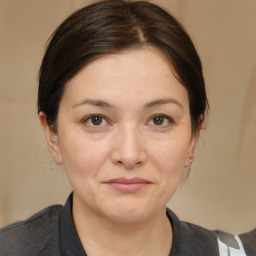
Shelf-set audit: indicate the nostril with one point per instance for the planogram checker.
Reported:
(119, 162)
(129, 165)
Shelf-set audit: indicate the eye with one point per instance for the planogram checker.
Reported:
(161, 120)
(95, 120)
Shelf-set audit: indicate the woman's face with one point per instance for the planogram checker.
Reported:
(124, 135)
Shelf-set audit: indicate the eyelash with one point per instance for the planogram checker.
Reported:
(88, 118)
(169, 119)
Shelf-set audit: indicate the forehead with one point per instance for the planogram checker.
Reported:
(144, 72)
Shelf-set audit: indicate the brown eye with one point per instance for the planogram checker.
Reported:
(96, 120)
(161, 120)
(158, 120)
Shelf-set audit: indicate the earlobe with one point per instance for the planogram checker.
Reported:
(193, 143)
(51, 139)
(189, 159)
(191, 150)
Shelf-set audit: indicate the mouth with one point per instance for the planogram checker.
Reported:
(128, 185)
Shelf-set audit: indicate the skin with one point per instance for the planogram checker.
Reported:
(141, 128)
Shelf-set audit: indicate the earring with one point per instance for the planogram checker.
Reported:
(190, 161)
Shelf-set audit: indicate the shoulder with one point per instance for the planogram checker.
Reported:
(191, 239)
(249, 242)
(201, 240)
(32, 236)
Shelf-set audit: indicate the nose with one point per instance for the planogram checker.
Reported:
(128, 149)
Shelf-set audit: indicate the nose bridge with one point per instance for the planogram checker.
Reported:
(131, 137)
(129, 149)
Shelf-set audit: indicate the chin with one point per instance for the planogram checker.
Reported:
(127, 217)
(128, 211)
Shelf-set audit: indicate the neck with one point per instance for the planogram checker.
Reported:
(101, 236)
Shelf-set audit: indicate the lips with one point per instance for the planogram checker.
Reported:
(128, 185)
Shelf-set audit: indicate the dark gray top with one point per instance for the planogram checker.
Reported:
(51, 232)
(249, 242)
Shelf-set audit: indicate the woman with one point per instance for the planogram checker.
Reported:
(121, 101)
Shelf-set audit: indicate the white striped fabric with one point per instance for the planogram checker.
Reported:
(225, 250)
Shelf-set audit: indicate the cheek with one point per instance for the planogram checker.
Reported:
(83, 157)
(169, 161)
(83, 163)
(170, 155)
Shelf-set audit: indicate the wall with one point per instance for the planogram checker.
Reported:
(221, 190)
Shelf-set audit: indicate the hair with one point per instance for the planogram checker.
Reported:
(111, 26)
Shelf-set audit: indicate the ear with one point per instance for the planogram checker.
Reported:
(193, 142)
(51, 139)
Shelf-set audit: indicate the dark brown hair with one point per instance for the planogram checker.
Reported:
(110, 26)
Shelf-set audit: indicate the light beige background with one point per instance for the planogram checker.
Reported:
(221, 191)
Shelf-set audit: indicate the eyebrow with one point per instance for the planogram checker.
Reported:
(103, 104)
(162, 102)
(97, 103)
